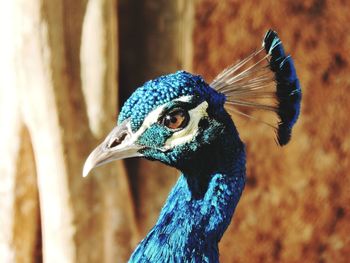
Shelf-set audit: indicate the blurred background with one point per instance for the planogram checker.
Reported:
(66, 67)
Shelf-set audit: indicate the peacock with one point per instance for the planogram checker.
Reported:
(181, 121)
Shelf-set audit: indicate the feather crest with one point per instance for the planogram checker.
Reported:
(265, 80)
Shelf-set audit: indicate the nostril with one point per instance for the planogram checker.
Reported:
(118, 140)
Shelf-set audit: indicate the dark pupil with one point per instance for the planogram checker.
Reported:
(175, 120)
(170, 120)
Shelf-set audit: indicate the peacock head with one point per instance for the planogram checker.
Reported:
(168, 119)
(174, 117)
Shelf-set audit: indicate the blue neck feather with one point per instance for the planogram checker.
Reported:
(199, 207)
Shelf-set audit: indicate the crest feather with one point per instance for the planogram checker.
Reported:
(265, 80)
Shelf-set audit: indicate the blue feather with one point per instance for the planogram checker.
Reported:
(201, 204)
(260, 77)
(288, 88)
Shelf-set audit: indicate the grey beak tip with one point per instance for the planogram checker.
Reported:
(87, 168)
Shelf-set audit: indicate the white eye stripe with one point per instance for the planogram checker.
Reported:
(184, 98)
(188, 133)
(182, 136)
(154, 115)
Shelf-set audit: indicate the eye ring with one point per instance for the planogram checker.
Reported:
(175, 119)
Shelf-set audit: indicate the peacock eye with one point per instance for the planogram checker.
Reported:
(175, 119)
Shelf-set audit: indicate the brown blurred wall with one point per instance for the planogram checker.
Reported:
(296, 205)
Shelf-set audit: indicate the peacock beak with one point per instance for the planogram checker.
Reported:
(119, 144)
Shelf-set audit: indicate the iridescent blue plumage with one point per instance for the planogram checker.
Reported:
(201, 205)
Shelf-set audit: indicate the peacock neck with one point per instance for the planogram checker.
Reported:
(199, 207)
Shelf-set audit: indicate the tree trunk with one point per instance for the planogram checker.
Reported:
(67, 108)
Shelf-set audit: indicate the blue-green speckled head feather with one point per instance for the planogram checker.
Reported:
(165, 89)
